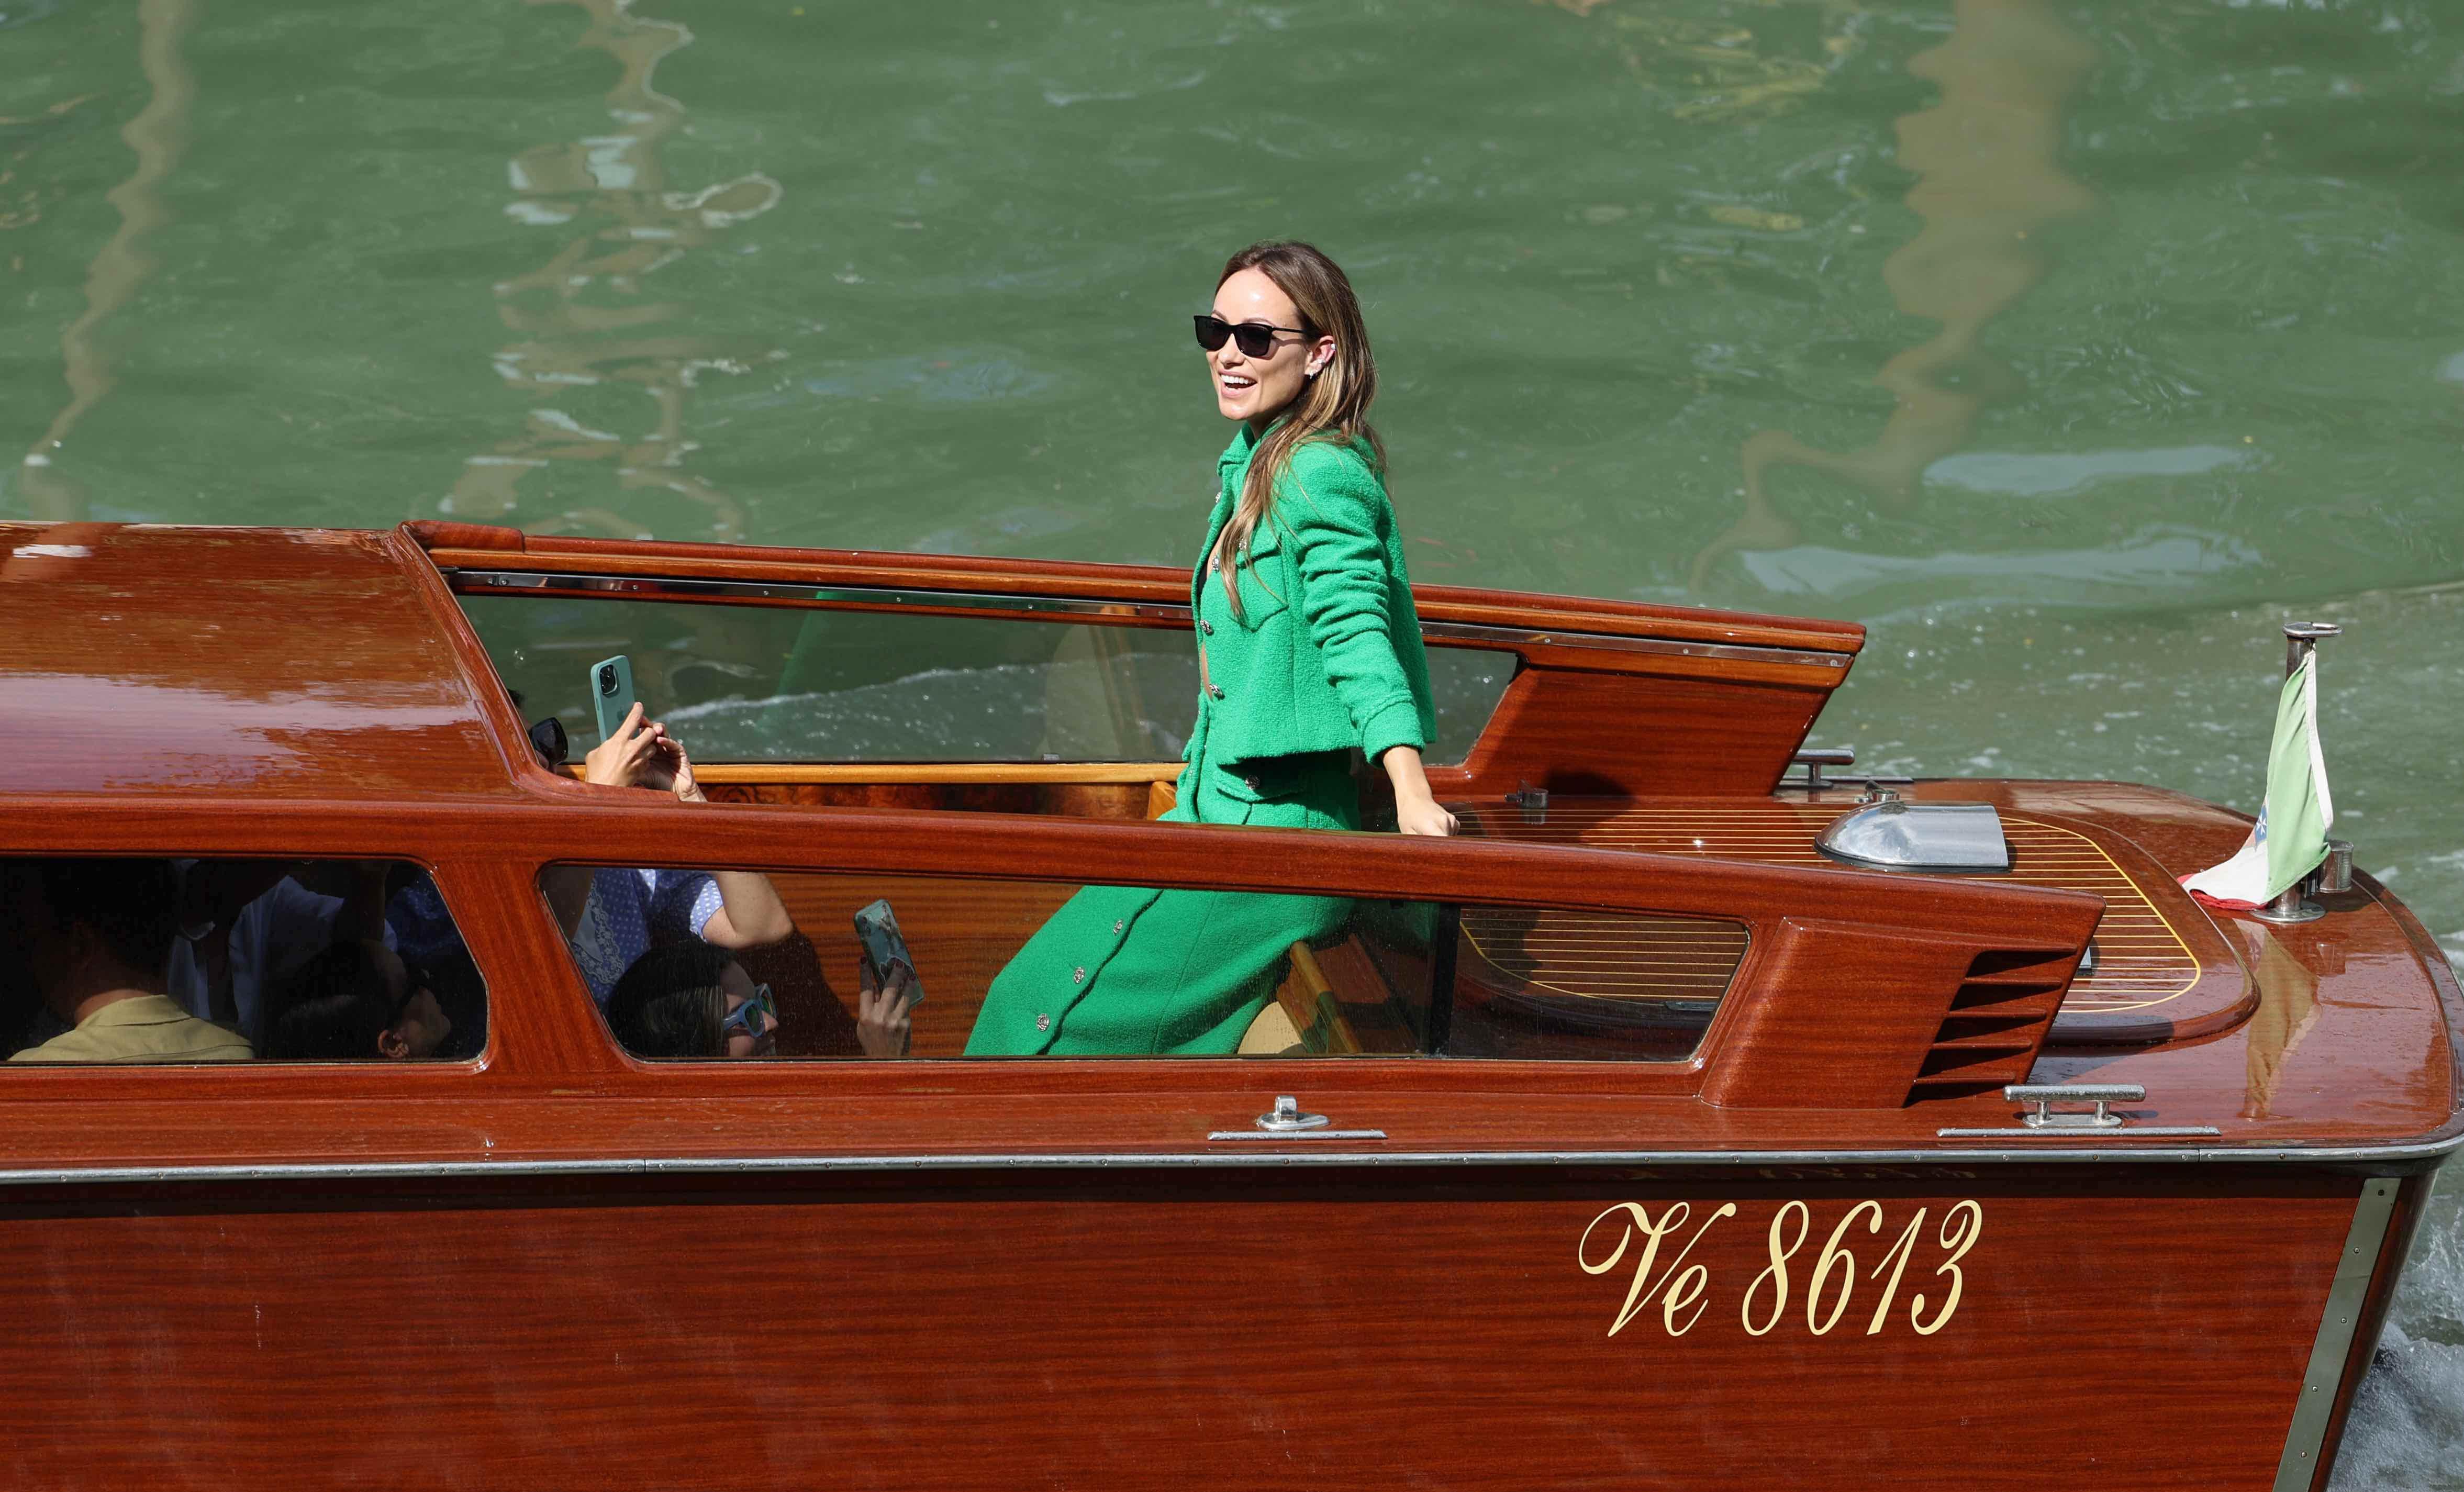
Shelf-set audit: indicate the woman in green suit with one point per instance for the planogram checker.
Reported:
(1308, 649)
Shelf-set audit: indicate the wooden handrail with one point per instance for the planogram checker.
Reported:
(1846, 983)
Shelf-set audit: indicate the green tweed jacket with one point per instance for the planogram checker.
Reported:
(1327, 653)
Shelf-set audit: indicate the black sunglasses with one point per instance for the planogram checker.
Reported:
(547, 738)
(1256, 337)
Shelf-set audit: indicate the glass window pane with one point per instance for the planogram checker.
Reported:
(772, 684)
(1556, 983)
(762, 684)
(1023, 968)
(1464, 684)
(123, 959)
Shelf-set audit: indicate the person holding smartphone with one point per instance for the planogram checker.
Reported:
(1309, 649)
(690, 1000)
(627, 912)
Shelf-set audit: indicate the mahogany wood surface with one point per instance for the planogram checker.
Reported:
(269, 662)
(2380, 1069)
(1142, 1330)
(420, 791)
(1252, 1326)
(1638, 735)
(475, 546)
(2166, 972)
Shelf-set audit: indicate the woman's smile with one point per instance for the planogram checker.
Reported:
(1258, 388)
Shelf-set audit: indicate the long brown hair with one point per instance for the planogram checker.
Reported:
(1332, 405)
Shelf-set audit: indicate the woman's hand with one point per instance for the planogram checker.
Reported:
(881, 1015)
(1416, 808)
(1423, 817)
(622, 759)
(670, 770)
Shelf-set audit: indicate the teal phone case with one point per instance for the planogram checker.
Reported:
(612, 692)
(876, 932)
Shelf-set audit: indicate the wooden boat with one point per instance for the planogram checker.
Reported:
(1667, 1149)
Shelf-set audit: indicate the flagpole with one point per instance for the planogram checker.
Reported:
(2302, 640)
(2300, 643)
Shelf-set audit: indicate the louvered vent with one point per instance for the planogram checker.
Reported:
(1996, 1023)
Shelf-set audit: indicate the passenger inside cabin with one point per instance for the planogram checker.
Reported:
(95, 935)
(243, 924)
(690, 1000)
(624, 913)
(612, 916)
(357, 1001)
(418, 927)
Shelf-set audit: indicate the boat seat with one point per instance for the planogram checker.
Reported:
(1305, 1019)
(1272, 1034)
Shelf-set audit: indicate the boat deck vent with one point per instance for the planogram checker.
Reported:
(1998, 1018)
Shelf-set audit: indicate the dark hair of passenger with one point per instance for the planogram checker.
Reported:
(670, 1004)
(336, 1007)
(131, 904)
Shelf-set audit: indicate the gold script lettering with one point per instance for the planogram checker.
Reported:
(1777, 1272)
(1970, 1218)
(1684, 1291)
(1834, 1257)
(1689, 1284)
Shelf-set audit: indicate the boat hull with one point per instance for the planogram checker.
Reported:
(1233, 1325)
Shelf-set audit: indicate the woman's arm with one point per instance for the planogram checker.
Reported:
(750, 912)
(1333, 515)
(1416, 808)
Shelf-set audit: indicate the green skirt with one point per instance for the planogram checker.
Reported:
(1125, 971)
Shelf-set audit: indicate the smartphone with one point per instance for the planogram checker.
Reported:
(612, 692)
(876, 928)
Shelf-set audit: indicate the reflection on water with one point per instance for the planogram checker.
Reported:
(158, 135)
(1719, 72)
(1988, 183)
(581, 317)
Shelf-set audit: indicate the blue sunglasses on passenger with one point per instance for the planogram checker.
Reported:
(757, 1017)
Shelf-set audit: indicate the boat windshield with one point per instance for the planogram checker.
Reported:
(762, 684)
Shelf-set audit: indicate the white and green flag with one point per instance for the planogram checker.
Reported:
(2290, 836)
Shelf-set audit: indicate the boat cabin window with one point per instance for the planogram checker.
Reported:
(762, 684)
(123, 959)
(1002, 965)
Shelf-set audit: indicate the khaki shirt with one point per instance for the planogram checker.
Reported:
(145, 1028)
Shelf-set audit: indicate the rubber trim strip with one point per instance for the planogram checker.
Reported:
(1119, 1161)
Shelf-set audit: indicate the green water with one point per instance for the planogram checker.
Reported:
(2073, 347)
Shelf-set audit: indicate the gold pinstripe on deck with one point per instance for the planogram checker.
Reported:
(2142, 959)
